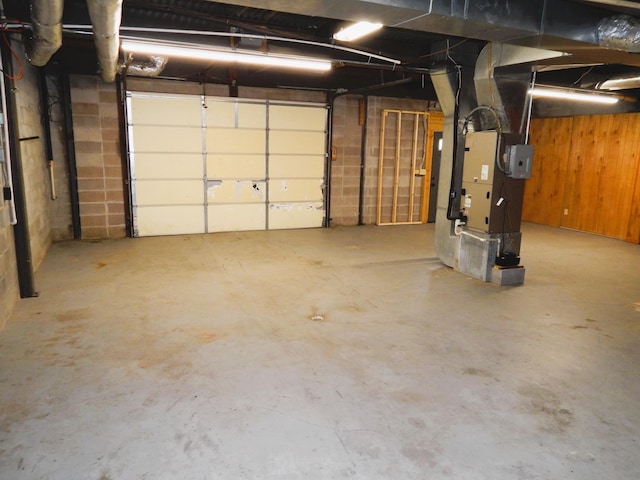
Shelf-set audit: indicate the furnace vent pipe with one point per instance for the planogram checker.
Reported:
(106, 16)
(620, 32)
(46, 19)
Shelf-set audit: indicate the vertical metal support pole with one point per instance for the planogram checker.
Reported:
(74, 197)
(123, 121)
(24, 261)
(266, 167)
(363, 157)
(331, 98)
(46, 125)
(205, 173)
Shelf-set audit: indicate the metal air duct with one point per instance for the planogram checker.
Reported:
(105, 18)
(46, 18)
(506, 91)
(620, 32)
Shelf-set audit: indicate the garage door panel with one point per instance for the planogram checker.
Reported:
(233, 218)
(289, 117)
(293, 190)
(168, 165)
(230, 140)
(295, 215)
(198, 170)
(148, 138)
(236, 115)
(236, 191)
(180, 111)
(236, 166)
(169, 220)
(296, 166)
(169, 192)
(289, 142)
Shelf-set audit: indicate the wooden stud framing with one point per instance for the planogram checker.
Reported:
(418, 117)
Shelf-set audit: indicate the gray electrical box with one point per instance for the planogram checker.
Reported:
(519, 158)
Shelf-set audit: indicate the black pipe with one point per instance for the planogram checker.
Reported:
(74, 197)
(121, 86)
(21, 236)
(327, 169)
(44, 115)
(363, 155)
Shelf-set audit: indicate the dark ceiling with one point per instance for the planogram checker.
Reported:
(417, 49)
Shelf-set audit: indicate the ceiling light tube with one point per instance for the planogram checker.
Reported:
(620, 83)
(357, 30)
(227, 56)
(560, 94)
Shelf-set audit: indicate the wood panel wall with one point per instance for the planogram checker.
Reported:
(586, 174)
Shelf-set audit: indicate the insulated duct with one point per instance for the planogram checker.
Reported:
(620, 32)
(147, 68)
(46, 18)
(105, 17)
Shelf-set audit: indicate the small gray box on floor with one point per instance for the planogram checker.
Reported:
(507, 276)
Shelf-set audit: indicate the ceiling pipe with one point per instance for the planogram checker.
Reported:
(46, 19)
(106, 16)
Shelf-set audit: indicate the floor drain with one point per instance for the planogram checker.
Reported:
(316, 318)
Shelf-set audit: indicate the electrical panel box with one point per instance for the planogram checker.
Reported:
(491, 199)
(519, 159)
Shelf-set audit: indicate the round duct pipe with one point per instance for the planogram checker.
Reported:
(46, 19)
(620, 32)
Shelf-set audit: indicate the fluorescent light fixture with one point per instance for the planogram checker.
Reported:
(228, 56)
(357, 30)
(620, 83)
(561, 94)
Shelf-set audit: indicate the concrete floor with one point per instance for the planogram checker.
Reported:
(323, 354)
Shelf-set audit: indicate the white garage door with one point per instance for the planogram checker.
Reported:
(208, 164)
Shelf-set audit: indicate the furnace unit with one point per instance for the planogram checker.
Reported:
(495, 167)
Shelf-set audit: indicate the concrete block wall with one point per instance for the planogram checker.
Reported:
(96, 129)
(347, 138)
(374, 122)
(34, 162)
(9, 290)
(345, 169)
(37, 186)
